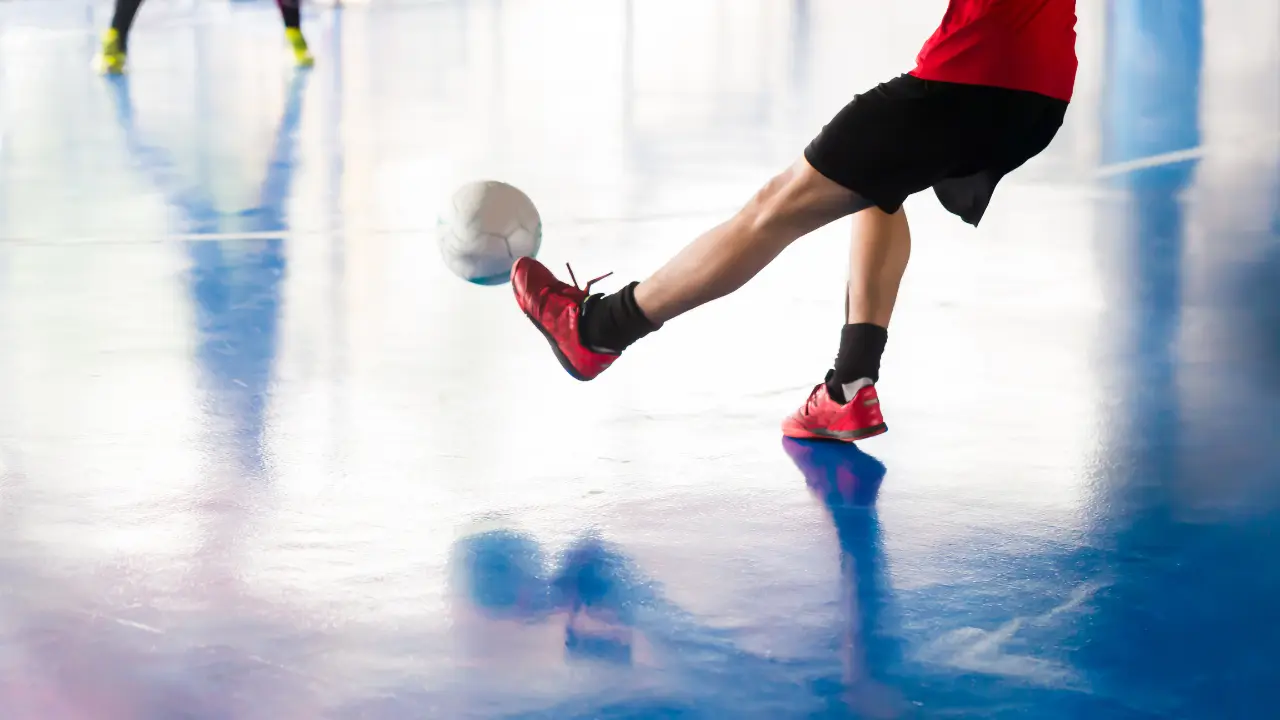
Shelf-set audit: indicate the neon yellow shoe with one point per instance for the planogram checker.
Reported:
(301, 53)
(111, 60)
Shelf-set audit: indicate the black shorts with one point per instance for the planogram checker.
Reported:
(909, 134)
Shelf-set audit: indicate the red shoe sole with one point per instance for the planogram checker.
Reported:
(555, 348)
(842, 435)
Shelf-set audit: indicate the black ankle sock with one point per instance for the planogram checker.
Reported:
(861, 346)
(291, 11)
(612, 322)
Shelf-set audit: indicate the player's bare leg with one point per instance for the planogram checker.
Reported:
(723, 259)
(879, 248)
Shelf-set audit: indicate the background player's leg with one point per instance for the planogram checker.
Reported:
(116, 39)
(122, 20)
(879, 248)
(291, 12)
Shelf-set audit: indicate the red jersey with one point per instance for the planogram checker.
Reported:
(1014, 44)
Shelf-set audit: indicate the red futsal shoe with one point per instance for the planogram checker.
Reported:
(555, 308)
(823, 417)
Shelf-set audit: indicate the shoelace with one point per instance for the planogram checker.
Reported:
(584, 290)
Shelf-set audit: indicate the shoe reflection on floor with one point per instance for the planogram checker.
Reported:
(847, 481)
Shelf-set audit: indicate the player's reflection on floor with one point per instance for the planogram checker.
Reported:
(597, 601)
(848, 482)
(590, 590)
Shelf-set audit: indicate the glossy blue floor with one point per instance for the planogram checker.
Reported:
(262, 457)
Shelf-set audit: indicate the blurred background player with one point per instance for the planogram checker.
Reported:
(989, 91)
(115, 40)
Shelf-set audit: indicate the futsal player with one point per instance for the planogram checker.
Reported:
(989, 91)
(115, 40)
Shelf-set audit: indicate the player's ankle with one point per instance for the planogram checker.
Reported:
(858, 362)
(844, 392)
(612, 323)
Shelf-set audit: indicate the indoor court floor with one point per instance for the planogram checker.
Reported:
(263, 458)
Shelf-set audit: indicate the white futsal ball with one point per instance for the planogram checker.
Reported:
(485, 228)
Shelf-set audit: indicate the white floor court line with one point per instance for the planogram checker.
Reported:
(1169, 158)
(1265, 142)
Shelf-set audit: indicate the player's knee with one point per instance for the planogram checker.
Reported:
(799, 193)
(772, 202)
(766, 197)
